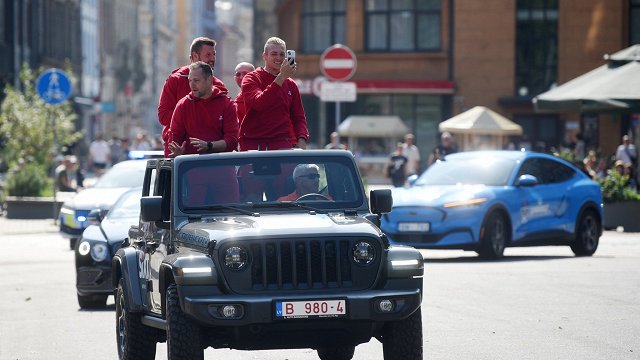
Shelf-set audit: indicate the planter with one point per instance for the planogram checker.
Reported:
(624, 213)
(23, 207)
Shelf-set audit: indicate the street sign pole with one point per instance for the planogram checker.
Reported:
(54, 87)
(338, 63)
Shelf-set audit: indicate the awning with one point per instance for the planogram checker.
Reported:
(613, 86)
(480, 121)
(372, 126)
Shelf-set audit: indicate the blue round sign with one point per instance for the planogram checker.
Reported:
(54, 86)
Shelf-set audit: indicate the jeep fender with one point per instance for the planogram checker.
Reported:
(125, 265)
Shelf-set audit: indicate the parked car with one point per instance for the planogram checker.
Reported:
(488, 200)
(107, 231)
(226, 256)
(102, 195)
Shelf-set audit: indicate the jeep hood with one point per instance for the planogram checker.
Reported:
(276, 225)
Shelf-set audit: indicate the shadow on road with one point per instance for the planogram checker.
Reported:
(475, 259)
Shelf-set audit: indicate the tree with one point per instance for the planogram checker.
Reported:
(27, 124)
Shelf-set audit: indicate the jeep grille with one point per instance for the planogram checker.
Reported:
(302, 264)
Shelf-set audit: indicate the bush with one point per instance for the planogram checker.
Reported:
(615, 188)
(30, 181)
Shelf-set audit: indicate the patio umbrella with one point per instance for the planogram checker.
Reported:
(481, 124)
(613, 86)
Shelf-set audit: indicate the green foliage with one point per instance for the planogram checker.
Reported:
(26, 123)
(615, 188)
(29, 181)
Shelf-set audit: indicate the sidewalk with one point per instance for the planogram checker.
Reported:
(26, 226)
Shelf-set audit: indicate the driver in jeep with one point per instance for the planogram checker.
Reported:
(306, 178)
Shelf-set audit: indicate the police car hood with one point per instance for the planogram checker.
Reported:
(276, 225)
(95, 198)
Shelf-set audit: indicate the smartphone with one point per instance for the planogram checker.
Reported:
(291, 56)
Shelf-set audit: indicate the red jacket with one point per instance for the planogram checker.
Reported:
(175, 88)
(271, 110)
(240, 107)
(210, 119)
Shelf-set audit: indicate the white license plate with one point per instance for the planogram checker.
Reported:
(414, 226)
(310, 309)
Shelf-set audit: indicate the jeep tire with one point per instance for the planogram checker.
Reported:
(183, 335)
(402, 340)
(135, 340)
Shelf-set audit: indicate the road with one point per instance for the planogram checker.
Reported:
(537, 303)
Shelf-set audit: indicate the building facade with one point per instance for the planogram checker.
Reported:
(426, 61)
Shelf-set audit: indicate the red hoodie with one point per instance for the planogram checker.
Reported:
(271, 109)
(175, 88)
(210, 119)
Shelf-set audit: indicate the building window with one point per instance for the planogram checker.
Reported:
(403, 25)
(634, 22)
(536, 46)
(319, 18)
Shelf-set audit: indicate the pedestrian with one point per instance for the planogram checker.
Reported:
(177, 84)
(99, 154)
(333, 143)
(443, 149)
(66, 174)
(241, 70)
(627, 152)
(396, 168)
(273, 103)
(410, 150)
(206, 117)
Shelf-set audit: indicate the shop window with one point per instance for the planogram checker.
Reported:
(319, 18)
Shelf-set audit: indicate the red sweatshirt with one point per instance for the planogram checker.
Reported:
(210, 119)
(271, 109)
(175, 88)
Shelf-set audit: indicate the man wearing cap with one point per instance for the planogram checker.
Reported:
(307, 179)
(65, 173)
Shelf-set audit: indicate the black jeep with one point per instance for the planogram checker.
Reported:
(264, 250)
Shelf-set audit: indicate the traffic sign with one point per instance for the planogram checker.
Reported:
(338, 63)
(53, 86)
(338, 91)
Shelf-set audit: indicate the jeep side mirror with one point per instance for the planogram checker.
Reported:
(381, 201)
(151, 208)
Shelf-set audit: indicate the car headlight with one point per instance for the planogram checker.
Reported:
(99, 251)
(236, 258)
(84, 248)
(363, 253)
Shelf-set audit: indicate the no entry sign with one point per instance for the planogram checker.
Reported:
(338, 63)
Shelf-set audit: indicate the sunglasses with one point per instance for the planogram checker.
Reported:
(311, 176)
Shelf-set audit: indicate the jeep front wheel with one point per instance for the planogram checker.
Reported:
(402, 340)
(183, 335)
(135, 340)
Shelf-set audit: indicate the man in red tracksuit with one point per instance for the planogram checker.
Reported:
(242, 69)
(177, 85)
(205, 121)
(273, 104)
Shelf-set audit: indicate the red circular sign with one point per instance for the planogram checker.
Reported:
(338, 63)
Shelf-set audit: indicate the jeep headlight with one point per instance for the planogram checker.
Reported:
(236, 257)
(99, 251)
(363, 253)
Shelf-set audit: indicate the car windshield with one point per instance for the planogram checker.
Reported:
(127, 206)
(324, 183)
(468, 171)
(123, 175)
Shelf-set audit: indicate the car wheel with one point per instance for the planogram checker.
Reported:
(135, 340)
(587, 234)
(336, 353)
(493, 236)
(72, 243)
(183, 335)
(402, 340)
(92, 301)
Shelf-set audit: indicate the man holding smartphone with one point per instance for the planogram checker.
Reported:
(274, 110)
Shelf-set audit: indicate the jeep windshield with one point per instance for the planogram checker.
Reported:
(251, 181)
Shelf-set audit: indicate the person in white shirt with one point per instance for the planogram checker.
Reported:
(100, 154)
(627, 152)
(412, 153)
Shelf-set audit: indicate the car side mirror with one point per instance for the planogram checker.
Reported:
(381, 201)
(412, 179)
(96, 215)
(527, 180)
(151, 208)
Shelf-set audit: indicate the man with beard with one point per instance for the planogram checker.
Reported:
(177, 84)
